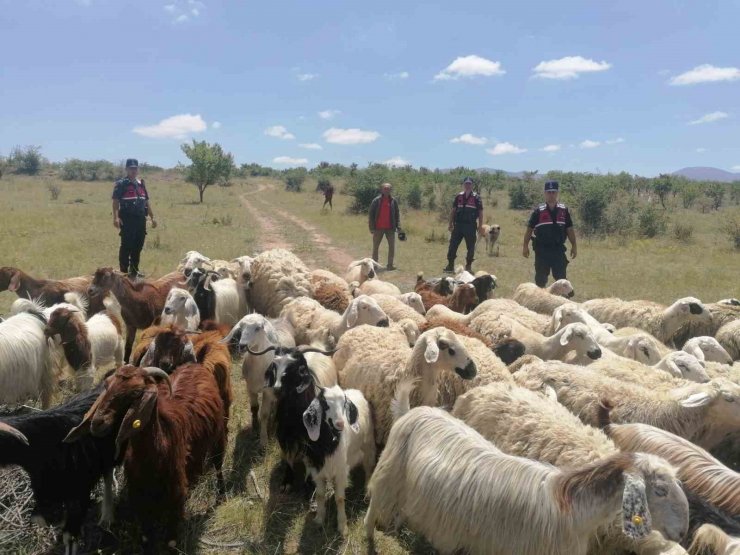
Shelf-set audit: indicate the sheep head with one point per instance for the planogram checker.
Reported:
(170, 348)
(250, 333)
(562, 288)
(688, 308)
(578, 337)
(289, 369)
(59, 321)
(126, 404)
(706, 348)
(365, 310)
(683, 365)
(332, 407)
(414, 301)
(724, 403)
(442, 348)
(643, 349)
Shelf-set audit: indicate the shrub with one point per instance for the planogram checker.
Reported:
(294, 182)
(732, 228)
(716, 194)
(435, 237)
(84, 170)
(591, 201)
(518, 198)
(619, 216)
(26, 160)
(323, 184)
(363, 193)
(689, 195)
(651, 221)
(413, 197)
(683, 232)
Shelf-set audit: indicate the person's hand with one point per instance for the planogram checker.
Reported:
(573, 251)
(480, 230)
(525, 251)
(117, 223)
(154, 223)
(371, 232)
(450, 227)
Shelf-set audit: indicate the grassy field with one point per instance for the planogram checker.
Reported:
(73, 235)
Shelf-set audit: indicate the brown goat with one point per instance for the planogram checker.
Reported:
(46, 291)
(463, 298)
(332, 296)
(458, 327)
(170, 427)
(76, 344)
(442, 286)
(171, 347)
(141, 301)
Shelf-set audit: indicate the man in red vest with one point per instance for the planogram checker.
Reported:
(548, 226)
(384, 220)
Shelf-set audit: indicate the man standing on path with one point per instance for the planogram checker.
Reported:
(130, 209)
(550, 223)
(384, 219)
(328, 195)
(466, 219)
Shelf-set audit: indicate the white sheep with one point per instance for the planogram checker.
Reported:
(447, 482)
(711, 540)
(312, 322)
(544, 301)
(704, 413)
(493, 308)
(398, 307)
(668, 372)
(661, 321)
(343, 418)
(528, 424)
(26, 369)
(244, 277)
(361, 270)
(278, 277)
(706, 348)
(364, 337)
(723, 312)
(729, 337)
(376, 286)
(256, 333)
(320, 275)
(195, 260)
(376, 372)
(180, 310)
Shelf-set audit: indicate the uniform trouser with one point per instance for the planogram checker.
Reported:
(465, 231)
(390, 235)
(546, 260)
(133, 232)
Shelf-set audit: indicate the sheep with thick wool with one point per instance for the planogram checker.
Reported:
(527, 424)
(447, 482)
(361, 270)
(312, 322)
(661, 321)
(332, 296)
(729, 337)
(704, 413)
(493, 308)
(405, 306)
(376, 372)
(723, 312)
(711, 540)
(376, 286)
(673, 370)
(544, 301)
(278, 277)
(372, 338)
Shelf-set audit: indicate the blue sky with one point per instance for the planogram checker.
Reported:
(607, 87)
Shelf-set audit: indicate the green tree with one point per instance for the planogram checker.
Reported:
(26, 160)
(716, 192)
(663, 185)
(689, 194)
(209, 165)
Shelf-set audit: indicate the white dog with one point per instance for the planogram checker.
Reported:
(489, 234)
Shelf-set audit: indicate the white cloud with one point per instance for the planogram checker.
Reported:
(350, 136)
(328, 114)
(568, 67)
(706, 73)
(588, 143)
(397, 162)
(469, 66)
(505, 148)
(399, 75)
(616, 141)
(175, 127)
(195, 12)
(701, 149)
(216, 125)
(551, 148)
(709, 118)
(279, 132)
(736, 168)
(469, 139)
(290, 161)
(169, 7)
(307, 76)
(182, 18)
(311, 146)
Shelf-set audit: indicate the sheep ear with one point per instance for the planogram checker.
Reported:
(353, 416)
(696, 351)
(557, 318)
(696, 400)
(636, 519)
(148, 357)
(312, 417)
(189, 352)
(137, 417)
(15, 281)
(565, 338)
(191, 308)
(431, 354)
(352, 315)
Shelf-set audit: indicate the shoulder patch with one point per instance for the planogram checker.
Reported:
(542, 206)
(561, 205)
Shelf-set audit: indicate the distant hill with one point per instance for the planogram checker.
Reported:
(708, 174)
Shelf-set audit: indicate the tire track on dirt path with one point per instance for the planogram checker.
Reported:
(270, 236)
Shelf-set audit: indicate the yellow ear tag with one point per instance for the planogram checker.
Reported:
(637, 520)
(137, 424)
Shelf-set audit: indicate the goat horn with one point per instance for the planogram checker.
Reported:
(316, 350)
(251, 352)
(157, 374)
(6, 429)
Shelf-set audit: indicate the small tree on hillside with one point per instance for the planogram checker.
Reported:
(210, 164)
(663, 186)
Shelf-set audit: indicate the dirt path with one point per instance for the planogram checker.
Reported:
(272, 220)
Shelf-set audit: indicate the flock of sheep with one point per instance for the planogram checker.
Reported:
(531, 425)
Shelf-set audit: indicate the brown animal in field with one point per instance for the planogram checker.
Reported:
(141, 301)
(489, 235)
(458, 327)
(442, 286)
(463, 299)
(332, 296)
(46, 291)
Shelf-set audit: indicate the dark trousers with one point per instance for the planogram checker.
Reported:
(133, 233)
(460, 232)
(547, 260)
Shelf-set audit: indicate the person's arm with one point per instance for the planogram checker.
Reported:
(398, 215)
(150, 213)
(527, 238)
(572, 238)
(116, 217)
(371, 216)
(452, 219)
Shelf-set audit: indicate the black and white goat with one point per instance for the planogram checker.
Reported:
(340, 429)
(61, 474)
(219, 299)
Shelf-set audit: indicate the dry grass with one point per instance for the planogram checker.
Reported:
(62, 238)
